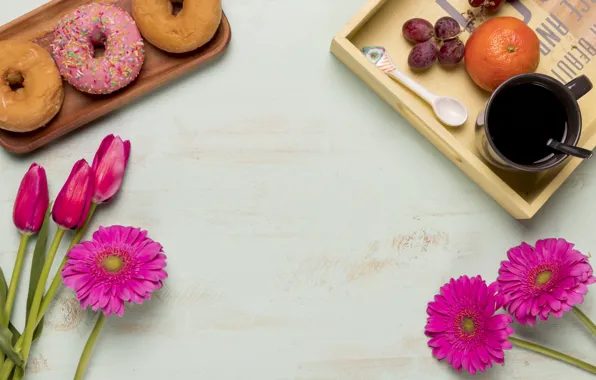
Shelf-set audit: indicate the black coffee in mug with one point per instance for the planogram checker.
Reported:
(523, 114)
(525, 117)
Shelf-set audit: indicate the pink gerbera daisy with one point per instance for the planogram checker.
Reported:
(548, 279)
(120, 264)
(463, 326)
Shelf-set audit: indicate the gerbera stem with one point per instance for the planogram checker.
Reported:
(86, 355)
(553, 354)
(26, 339)
(51, 293)
(584, 319)
(16, 275)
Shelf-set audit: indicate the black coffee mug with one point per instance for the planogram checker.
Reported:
(493, 119)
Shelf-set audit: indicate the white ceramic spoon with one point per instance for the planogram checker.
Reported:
(448, 110)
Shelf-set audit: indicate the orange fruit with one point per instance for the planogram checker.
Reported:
(499, 49)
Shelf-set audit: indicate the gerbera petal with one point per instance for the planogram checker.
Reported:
(74, 270)
(580, 289)
(142, 236)
(135, 298)
(498, 322)
(466, 362)
(579, 269)
(436, 325)
(566, 307)
(102, 235)
(568, 283)
(554, 303)
(123, 293)
(558, 313)
(84, 302)
(559, 293)
(149, 252)
(82, 281)
(79, 253)
(495, 353)
(153, 275)
(522, 310)
(435, 307)
(159, 262)
(104, 299)
(515, 305)
(132, 235)
(93, 297)
(449, 357)
(534, 309)
(573, 298)
(476, 362)
(120, 311)
(124, 234)
(113, 306)
(483, 354)
(506, 345)
(89, 247)
(437, 342)
(506, 276)
(456, 362)
(440, 352)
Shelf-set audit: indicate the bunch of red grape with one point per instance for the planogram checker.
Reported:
(440, 42)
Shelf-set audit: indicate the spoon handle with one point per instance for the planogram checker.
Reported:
(413, 85)
(569, 149)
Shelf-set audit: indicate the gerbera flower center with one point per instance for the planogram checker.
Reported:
(543, 277)
(113, 263)
(467, 324)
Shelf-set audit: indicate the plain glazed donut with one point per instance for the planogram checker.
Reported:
(92, 25)
(190, 29)
(31, 90)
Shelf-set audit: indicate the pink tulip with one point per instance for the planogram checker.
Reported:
(32, 200)
(74, 200)
(109, 165)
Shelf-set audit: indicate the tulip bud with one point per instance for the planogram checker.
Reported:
(72, 204)
(109, 165)
(32, 200)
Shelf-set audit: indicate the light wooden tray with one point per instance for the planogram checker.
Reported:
(80, 108)
(380, 22)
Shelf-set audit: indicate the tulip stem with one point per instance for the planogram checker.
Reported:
(51, 293)
(86, 355)
(552, 354)
(26, 339)
(584, 319)
(14, 280)
(47, 300)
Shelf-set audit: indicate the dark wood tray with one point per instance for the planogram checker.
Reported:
(80, 108)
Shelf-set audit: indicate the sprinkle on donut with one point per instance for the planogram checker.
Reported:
(89, 26)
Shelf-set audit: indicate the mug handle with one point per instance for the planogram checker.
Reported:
(580, 86)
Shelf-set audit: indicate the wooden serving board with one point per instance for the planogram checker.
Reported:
(568, 49)
(80, 108)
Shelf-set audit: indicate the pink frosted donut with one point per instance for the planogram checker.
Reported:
(76, 37)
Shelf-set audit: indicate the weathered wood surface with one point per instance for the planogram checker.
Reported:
(306, 224)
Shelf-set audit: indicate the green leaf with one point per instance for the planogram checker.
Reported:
(39, 258)
(15, 333)
(3, 293)
(6, 346)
